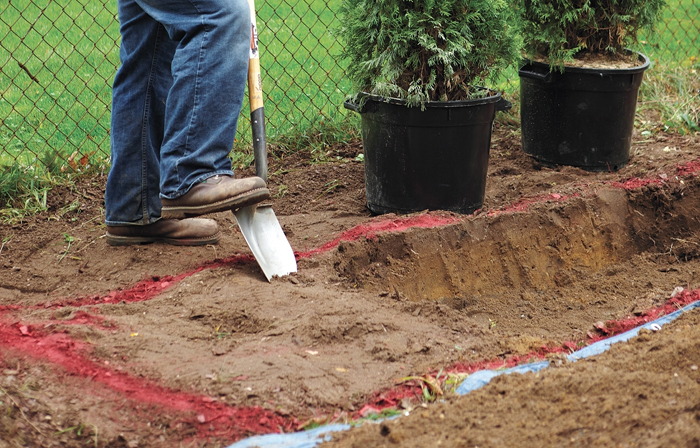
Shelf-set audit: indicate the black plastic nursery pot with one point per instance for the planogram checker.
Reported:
(582, 117)
(431, 158)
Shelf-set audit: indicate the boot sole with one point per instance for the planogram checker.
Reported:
(115, 240)
(189, 211)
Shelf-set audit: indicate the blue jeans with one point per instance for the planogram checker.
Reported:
(175, 102)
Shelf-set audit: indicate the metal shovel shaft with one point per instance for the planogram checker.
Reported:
(255, 94)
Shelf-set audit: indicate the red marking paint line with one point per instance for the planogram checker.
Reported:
(211, 417)
(688, 169)
(614, 327)
(147, 289)
(142, 291)
(370, 229)
(525, 203)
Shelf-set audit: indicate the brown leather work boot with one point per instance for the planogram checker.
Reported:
(187, 232)
(216, 194)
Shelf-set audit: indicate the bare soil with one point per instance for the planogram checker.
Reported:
(157, 345)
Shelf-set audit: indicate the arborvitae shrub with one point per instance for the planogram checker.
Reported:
(427, 50)
(563, 29)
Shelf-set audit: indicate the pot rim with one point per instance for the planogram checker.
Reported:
(436, 104)
(617, 71)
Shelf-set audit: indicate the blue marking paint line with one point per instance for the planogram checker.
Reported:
(480, 379)
(477, 380)
(306, 439)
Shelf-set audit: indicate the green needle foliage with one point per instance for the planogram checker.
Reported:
(427, 50)
(560, 30)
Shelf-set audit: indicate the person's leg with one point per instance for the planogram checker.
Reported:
(209, 67)
(139, 92)
(141, 87)
(209, 71)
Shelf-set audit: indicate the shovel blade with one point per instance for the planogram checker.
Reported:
(266, 240)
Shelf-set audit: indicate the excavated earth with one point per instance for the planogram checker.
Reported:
(157, 345)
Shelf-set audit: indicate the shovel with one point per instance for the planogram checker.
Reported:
(258, 222)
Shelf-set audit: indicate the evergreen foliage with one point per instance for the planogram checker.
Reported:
(562, 29)
(427, 50)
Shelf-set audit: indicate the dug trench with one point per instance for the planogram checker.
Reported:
(155, 345)
(546, 274)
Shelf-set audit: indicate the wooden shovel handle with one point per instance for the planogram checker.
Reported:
(255, 94)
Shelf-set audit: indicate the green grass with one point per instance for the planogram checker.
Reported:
(672, 92)
(54, 84)
(672, 83)
(58, 58)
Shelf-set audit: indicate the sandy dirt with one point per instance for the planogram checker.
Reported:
(157, 345)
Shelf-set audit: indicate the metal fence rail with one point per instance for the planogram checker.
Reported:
(58, 58)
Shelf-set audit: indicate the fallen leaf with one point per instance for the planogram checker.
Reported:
(432, 383)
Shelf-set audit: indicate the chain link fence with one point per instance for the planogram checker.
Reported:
(58, 58)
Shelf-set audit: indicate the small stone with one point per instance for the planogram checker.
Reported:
(693, 367)
(225, 391)
(219, 351)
